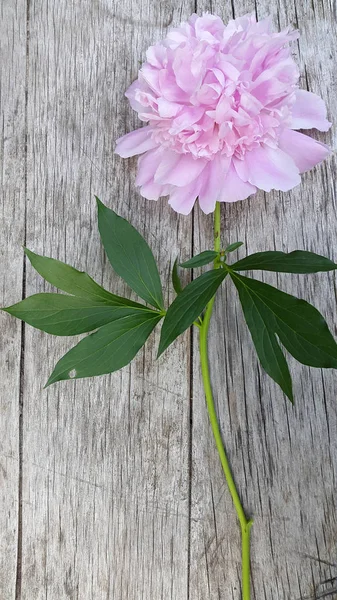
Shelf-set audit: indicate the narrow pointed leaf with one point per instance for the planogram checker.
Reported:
(70, 315)
(299, 326)
(267, 347)
(178, 288)
(188, 305)
(298, 261)
(233, 247)
(204, 258)
(110, 348)
(68, 279)
(130, 255)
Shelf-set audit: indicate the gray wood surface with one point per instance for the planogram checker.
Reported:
(12, 185)
(111, 488)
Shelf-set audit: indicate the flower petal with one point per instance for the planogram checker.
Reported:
(271, 168)
(168, 109)
(167, 163)
(156, 55)
(183, 198)
(135, 142)
(241, 168)
(147, 165)
(309, 111)
(212, 177)
(234, 188)
(218, 100)
(183, 171)
(304, 150)
(151, 191)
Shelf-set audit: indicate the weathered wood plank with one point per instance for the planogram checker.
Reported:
(106, 473)
(284, 458)
(12, 186)
(106, 486)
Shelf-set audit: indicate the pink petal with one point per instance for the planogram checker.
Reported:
(241, 168)
(187, 75)
(186, 119)
(305, 152)
(131, 94)
(265, 25)
(182, 172)
(168, 109)
(212, 178)
(309, 111)
(234, 188)
(156, 56)
(177, 36)
(271, 168)
(210, 24)
(228, 69)
(135, 142)
(169, 88)
(151, 76)
(151, 190)
(250, 104)
(183, 198)
(147, 165)
(165, 166)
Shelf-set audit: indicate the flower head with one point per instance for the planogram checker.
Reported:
(222, 105)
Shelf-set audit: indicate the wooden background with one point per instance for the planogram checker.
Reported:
(112, 488)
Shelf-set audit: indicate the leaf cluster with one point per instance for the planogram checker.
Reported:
(120, 327)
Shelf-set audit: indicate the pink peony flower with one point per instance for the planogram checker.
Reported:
(222, 105)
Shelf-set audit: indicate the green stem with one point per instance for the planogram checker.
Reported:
(244, 522)
(217, 227)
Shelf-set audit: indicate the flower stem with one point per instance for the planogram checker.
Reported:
(244, 522)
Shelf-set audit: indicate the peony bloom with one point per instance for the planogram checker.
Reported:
(222, 105)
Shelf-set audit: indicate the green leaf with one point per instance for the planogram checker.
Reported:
(130, 255)
(298, 261)
(268, 350)
(68, 279)
(178, 288)
(110, 348)
(299, 326)
(204, 258)
(233, 246)
(188, 305)
(70, 315)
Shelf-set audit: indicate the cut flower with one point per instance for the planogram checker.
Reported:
(221, 104)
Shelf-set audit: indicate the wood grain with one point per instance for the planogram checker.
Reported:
(105, 472)
(284, 458)
(12, 199)
(121, 490)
